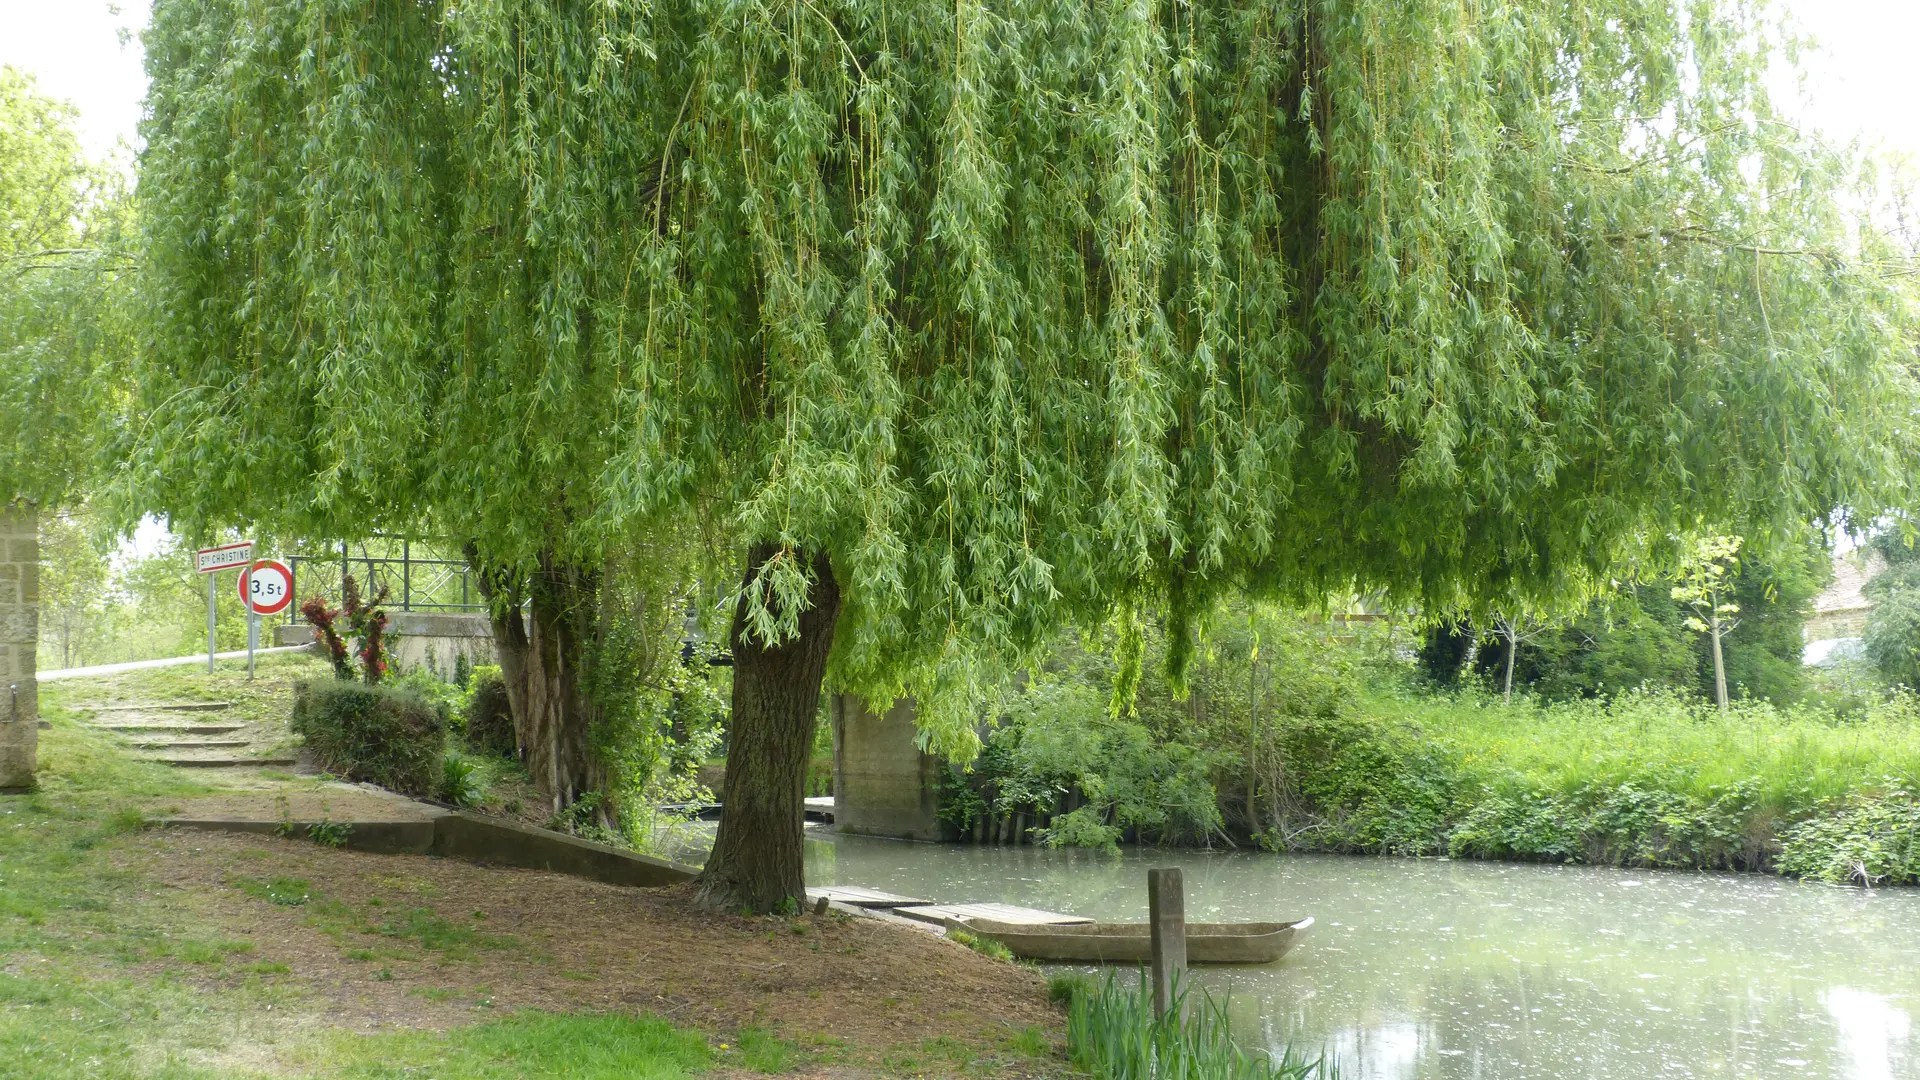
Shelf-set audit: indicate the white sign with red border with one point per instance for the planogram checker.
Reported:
(225, 557)
(266, 587)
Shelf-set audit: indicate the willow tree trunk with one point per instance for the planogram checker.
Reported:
(756, 861)
(541, 653)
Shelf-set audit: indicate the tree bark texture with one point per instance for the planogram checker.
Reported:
(757, 856)
(541, 655)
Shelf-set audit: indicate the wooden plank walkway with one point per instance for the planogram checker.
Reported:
(861, 897)
(1006, 913)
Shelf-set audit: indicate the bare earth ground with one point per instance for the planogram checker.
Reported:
(549, 941)
(364, 942)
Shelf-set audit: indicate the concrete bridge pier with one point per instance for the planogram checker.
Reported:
(883, 784)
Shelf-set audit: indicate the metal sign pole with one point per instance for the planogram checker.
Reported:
(210, 609)
(253, 639)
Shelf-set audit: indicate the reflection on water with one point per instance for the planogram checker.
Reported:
(1872, 1032)
(1490, 971)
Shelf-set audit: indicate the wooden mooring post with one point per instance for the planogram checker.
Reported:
(1167, 920)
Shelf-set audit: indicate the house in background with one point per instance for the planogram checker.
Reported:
(1839, 620)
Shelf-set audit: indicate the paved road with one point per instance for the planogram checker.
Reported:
(138, 665)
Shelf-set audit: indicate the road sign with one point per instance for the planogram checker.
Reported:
(225, 557)
(266, 587)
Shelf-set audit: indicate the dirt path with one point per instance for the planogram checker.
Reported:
(414, 941)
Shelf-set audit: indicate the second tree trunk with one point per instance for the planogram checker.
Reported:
(540, 661)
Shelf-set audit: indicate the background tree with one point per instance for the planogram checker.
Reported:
(1705, 589)
(76, 589)
(1765, 655)
(1630, 637)
(62, 334)
(965, 324)
(1892, 637)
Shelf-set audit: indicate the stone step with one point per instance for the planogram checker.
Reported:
(162, 706)
(204, 744)
(169, 729)
(219, 762)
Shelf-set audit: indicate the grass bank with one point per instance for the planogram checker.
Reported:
(131, 952)
(1647, 779)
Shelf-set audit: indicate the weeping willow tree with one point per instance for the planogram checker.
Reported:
(967, 321)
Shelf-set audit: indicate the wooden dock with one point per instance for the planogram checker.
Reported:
(937, 914)
(861, 898)
(940, 914)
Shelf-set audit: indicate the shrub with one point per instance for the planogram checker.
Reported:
(489, 714)
(1873, 840)
(461, 781)
(384, 735)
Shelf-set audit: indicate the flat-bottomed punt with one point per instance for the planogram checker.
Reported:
(1130, 943)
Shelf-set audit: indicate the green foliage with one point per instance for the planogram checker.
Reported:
(487, 715)
(385, 735)
(1332, 756)
(1113, 1034)
(1058, 737)
(462, 781)
(1873, 839)
(1765, 653)
(444, 696)
(985, 946)
(64, 336)
(1893, 626)
(76, 602)
(1061, 754)
(331, 834)
(1638, 635)
(1893, 635)
(1443, 651)
(1629, 639)
(1021, 320)
(660, 702)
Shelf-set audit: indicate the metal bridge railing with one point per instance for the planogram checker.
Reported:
(413, 584)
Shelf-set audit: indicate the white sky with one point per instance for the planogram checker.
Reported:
(1865, 80)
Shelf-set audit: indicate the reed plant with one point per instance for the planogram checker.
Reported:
(1113, 1034)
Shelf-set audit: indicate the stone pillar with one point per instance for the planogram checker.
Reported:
(883, 784)
(19, 638)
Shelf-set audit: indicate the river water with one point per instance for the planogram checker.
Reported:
(1424, 968)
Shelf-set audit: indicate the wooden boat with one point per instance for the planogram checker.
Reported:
(1129, 943)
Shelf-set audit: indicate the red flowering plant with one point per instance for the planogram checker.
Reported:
(322, 618)
(364, 620)
(369, 624)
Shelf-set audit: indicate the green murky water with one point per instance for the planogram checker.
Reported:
(1490, 971)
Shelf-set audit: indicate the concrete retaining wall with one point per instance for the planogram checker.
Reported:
(457, 834)
(435, 639)
(883, 785)
(461, 835)
(19, 639)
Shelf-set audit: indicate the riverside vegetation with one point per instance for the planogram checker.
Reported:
(1323, 741)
